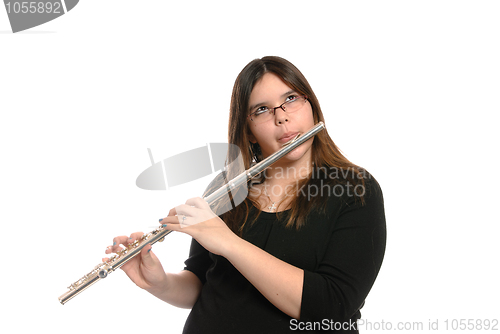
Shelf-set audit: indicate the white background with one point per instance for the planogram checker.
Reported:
(409, 89)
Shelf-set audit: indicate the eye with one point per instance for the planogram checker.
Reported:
(260, 111)
(291, 98)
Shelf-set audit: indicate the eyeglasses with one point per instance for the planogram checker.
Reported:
(264, 114)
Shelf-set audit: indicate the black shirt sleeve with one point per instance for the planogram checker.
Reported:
(345, 275)
(199, 261)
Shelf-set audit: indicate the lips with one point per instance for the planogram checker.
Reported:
(287, 137)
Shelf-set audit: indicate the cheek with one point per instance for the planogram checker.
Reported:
(310, 115)
(252, 134)
(264, 136)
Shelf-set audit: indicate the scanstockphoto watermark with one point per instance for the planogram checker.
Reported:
(323, 325)
(323, 186)
(430, 325)
(332, 173)
(383, 325)
(309, 191)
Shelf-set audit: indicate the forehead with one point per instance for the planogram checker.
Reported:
(268, 88)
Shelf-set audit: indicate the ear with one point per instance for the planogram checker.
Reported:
(252, 139)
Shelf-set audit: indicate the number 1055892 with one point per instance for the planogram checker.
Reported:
(33, 7)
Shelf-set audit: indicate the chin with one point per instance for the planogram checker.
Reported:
(298, 154)
(295, 155)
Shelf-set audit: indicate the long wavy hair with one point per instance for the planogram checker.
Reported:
(326, 155)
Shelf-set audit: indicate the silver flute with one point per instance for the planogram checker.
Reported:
(130, 251)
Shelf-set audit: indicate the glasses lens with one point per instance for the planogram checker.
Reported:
(291, 106)
(261, 116)
(295, 104)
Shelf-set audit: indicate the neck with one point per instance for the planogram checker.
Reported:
(279, 185)
(278, 189)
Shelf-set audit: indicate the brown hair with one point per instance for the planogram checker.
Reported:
(325, 154)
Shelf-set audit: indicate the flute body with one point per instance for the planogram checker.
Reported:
(103, 269)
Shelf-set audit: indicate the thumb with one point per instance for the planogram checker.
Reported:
(148, 257)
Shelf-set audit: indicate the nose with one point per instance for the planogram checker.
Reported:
(280, 116)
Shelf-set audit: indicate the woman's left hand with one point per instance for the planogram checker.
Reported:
(198, 220)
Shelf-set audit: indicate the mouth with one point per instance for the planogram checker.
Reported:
(288, 138)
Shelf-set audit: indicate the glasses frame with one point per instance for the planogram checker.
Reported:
(280, 106)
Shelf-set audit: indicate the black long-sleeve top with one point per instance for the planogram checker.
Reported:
(340, 251)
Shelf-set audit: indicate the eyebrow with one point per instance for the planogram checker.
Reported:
(264, 103)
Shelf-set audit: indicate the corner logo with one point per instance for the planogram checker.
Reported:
(188, 166)
(195, 164)
(28, 14)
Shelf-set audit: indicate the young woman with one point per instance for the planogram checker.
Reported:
(303, 249)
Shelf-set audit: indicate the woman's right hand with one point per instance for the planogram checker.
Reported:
(144, 269)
